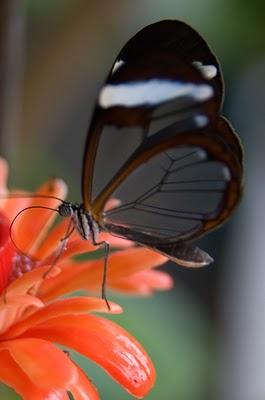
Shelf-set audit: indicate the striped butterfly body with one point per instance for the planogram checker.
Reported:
(158, 143)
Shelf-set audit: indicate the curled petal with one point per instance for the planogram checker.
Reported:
(12, 309)
(107, 344)
(61, 307)
(143, 283)
(12, 375)
(83, 389)
(49, 358)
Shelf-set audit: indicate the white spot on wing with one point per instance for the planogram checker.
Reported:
(227, 174)
(152, 92)
(117, 65)
(201, 154)
(207, 71)
(200, 120)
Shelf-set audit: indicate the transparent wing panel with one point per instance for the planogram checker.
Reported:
(115, 147)
(172, 194)
(118, 141)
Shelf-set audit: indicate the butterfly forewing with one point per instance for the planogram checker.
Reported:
(167, 51)
(131, 110)
(178, 38)
(157, 143)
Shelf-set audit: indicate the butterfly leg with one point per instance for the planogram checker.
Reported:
(105, 245)
(69, 231)
(64, 240)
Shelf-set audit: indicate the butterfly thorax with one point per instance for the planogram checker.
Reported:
(82, 219)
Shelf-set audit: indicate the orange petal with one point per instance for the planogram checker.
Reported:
(15, 202)
(39, 359)
(51, 242)
(144, 282)
(71, 306)
(107, 344)
(124, 263)
(67, 282)
(75, 244)
(31, 281)
(31, 225)
(88, 275)
(83, 389)
(12, 309)
(75, 247)
(12, 375)
(116, 241)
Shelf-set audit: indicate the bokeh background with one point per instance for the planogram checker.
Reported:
(207, 336)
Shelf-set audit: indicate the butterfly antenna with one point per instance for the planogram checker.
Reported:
(14, 220)
(64, 240)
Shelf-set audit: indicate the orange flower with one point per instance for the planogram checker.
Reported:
(33, 317)
(129, 268)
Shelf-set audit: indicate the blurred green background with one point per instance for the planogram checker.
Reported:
(206, 336)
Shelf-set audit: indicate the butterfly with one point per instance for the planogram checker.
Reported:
(158, 144)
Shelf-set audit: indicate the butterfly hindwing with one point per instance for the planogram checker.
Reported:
(182, 253)
(188, 185)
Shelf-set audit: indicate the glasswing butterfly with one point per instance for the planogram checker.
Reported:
(178, 174)
(158, 144)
